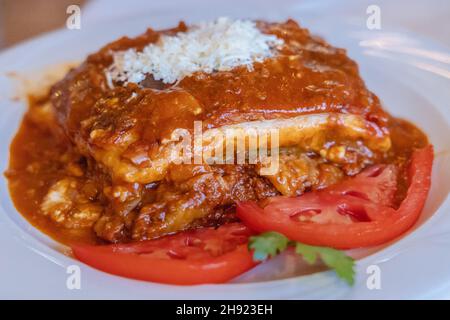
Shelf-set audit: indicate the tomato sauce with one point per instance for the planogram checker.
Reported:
(49, 148)
(35, 165)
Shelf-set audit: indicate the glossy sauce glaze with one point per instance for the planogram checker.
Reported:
(38, 160)
(307, 76)
(90, 122)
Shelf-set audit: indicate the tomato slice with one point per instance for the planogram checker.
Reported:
(354, 214)
(199, 256)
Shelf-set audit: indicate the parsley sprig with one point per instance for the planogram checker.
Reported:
(269, 244)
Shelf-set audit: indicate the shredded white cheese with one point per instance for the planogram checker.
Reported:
(207, 47)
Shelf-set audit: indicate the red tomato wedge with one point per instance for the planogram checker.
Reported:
(355, 213)
(200, 256)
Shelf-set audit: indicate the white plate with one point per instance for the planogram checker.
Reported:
(409, 74)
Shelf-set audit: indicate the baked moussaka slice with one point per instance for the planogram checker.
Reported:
(123, 109)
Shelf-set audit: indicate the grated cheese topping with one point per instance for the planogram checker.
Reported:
(220, 45)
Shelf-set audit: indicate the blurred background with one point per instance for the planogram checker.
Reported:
(22, 19)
